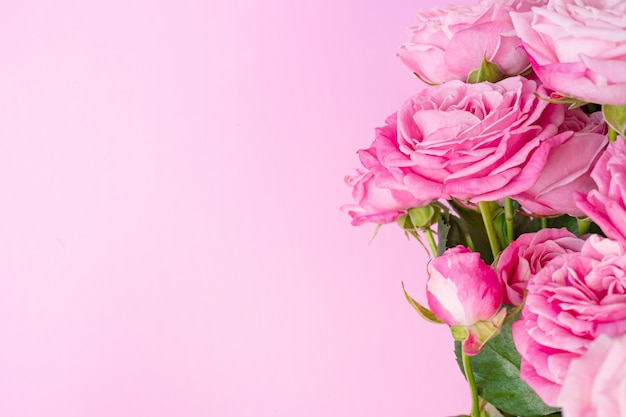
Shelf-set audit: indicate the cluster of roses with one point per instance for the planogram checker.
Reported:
(523, 102)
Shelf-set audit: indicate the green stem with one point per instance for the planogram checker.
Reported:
(583, 226)
(467, 366)
(431, 241)
(469, 242)
(508, 217)
(544, 222)
(483, 206)
(612, 134)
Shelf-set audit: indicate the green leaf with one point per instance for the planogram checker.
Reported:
(449, 232)
(615, 116)
(423, 311)
(496, 372)
(569, 222)
(524, 223)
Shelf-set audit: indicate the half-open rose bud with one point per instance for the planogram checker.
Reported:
(465, 293)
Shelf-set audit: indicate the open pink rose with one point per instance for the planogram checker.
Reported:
(528, 254)
(448, 44)
(473, 142)
(462, 290)
(568, 168)
(578, 47)
(571, 301)
(606, 205)
(595, 385)
(378, 196)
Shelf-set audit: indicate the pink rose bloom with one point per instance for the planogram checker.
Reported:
(570, 302)
(378, 196)
(529, 254)
(578, 47)
(595, 385)
(463, 290)
(568, 168)
(478, 142)
(448, 44)
(606, 205)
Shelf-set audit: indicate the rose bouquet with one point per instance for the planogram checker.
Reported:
(510, 167)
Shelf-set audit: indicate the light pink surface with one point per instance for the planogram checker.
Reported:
(170, 238)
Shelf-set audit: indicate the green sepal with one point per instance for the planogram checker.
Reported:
(423, 311)
(422, 79)
(488, 410)
(513, 313)
(406, 224)
(423, 217)
(488, 71)
(557, 98)
(419, 218)
(378, 226)
(615, 116)
(459, 333)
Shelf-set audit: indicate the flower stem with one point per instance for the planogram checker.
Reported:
(431, 241)
(508, 217)
(469, 242)
(485, 211)
(544, 222)
(612, 134)
(583, 226)
(467, 366)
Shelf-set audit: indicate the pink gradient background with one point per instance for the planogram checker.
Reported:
(170, 239)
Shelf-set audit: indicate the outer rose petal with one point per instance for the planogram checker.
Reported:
(568, 167)
(595, 385)
(578, 47)
(529, 254)
(448, 44)
(606, 205)
(374, 204)
(475, 142)
(571, 301)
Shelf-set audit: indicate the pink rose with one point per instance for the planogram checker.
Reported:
(379, 197)
(473, 142)
(595, 385)
(570, 302)
(448, 44)
(568, 168)
(462, 290)
(606, 206)
(529, 254)
(578, 47)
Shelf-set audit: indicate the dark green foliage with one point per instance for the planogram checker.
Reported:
(496, 372)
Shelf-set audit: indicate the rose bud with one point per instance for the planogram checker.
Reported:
(465, 293)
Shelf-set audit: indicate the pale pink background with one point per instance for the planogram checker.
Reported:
(170, 239)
